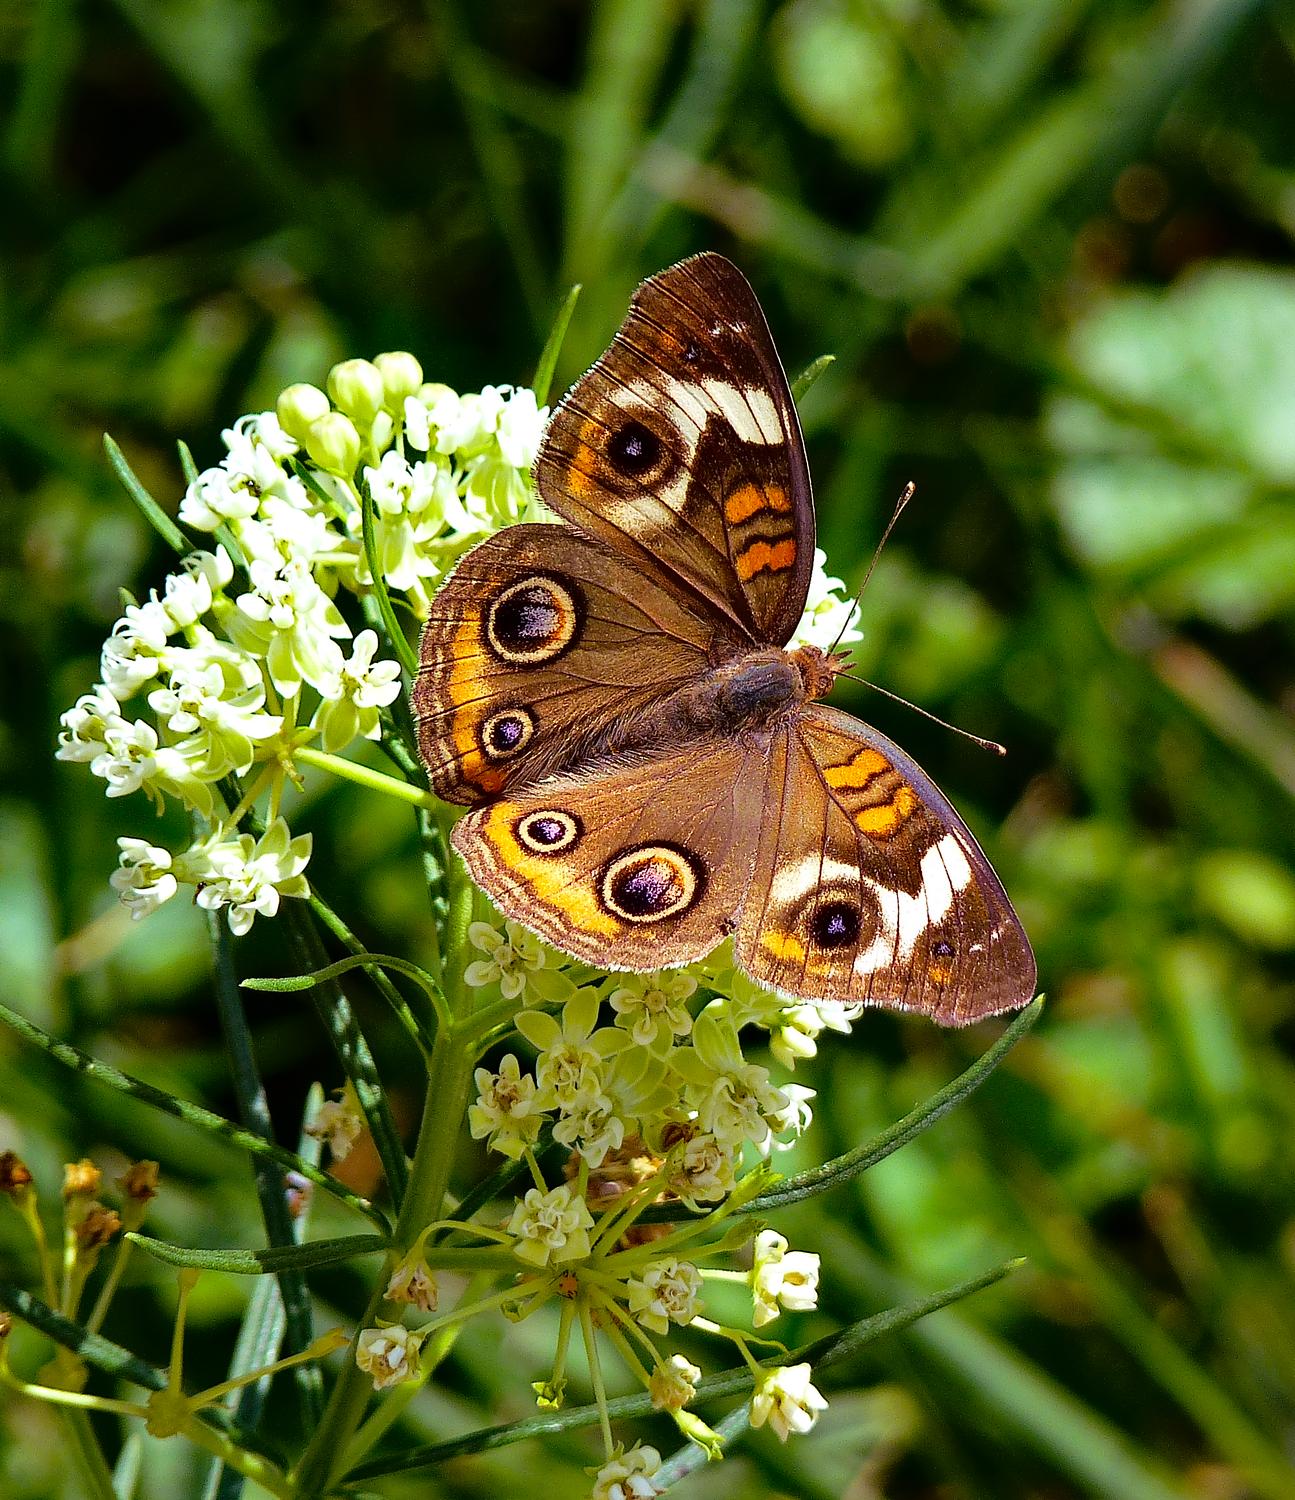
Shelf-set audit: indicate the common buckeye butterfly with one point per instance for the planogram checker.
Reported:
(648, 768)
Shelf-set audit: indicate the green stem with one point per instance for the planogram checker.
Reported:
(365, 776)
(94, 1465)
(449, 1076)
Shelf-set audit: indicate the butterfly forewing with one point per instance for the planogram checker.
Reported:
(536, 647)
(869, 888)
(681, 447)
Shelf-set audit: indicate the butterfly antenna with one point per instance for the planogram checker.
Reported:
(909, 490)
(926, 714)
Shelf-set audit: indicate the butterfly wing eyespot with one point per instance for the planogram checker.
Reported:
(652, 882)
(539, 642)
(869, 888)
(506, 734)
(549, 831)
(534, 620)
(681, 449)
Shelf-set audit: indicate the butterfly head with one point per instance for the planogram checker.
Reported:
(819, 669)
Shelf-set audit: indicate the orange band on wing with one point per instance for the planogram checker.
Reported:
(761, 556)
(784, 945)
(883, 820)
(549, 878)
(857, 773)
(750, 499)
(464, 725)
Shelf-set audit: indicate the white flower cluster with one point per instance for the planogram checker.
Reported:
(245, 655)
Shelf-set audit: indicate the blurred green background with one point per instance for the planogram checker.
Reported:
(1050, 244)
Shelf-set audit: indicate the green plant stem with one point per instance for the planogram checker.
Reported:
(365, 776)
(94, 1466)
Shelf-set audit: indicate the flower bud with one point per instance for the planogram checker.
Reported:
(299, 408)
(333, 443)
(401, 376)
(356, 386)
(81, 1179)
(15, 1179)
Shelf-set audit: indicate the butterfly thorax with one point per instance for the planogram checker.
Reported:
(754, 690)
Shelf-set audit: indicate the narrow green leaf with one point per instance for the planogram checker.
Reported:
(272, 1260)
(370, 962)
(181, 1109)
(553, 346)
(96, 1350)
(841, 1169)
(822, 1354)
(152, 512)
(809, 375)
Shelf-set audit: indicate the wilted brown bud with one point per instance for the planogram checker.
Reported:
(14, 1176)
(81, 1179)
(98, 1226)
(139, 1181)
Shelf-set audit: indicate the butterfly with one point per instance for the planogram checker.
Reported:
(649, 769)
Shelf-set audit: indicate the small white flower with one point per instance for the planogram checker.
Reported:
(514, 958)
(628, 1475)
(551, 1226)
(780, 1276)
(287, 618)
(339, 1123)
(592, 1126)
(187, 595)
(793, 1119)
(674, 1383)
(828, 613)
(417, 433)
(733, 1098)
(785, 1399)
(521, 425)
(263, 428)
(570, 1067)
(351, 705)
(388, 1355)
(128, 758)
(134, 651)
(465, 424)
(87, 724)
(251, 877)
(703, 1169)
(668, 1292)
(214, 702)
(414, 1281)
(651, 1007)
(505, 1110)
(143, 879)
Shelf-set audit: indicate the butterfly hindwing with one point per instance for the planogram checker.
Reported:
(537, 646)
(869, 888)
(635, 864)
(681, 448)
